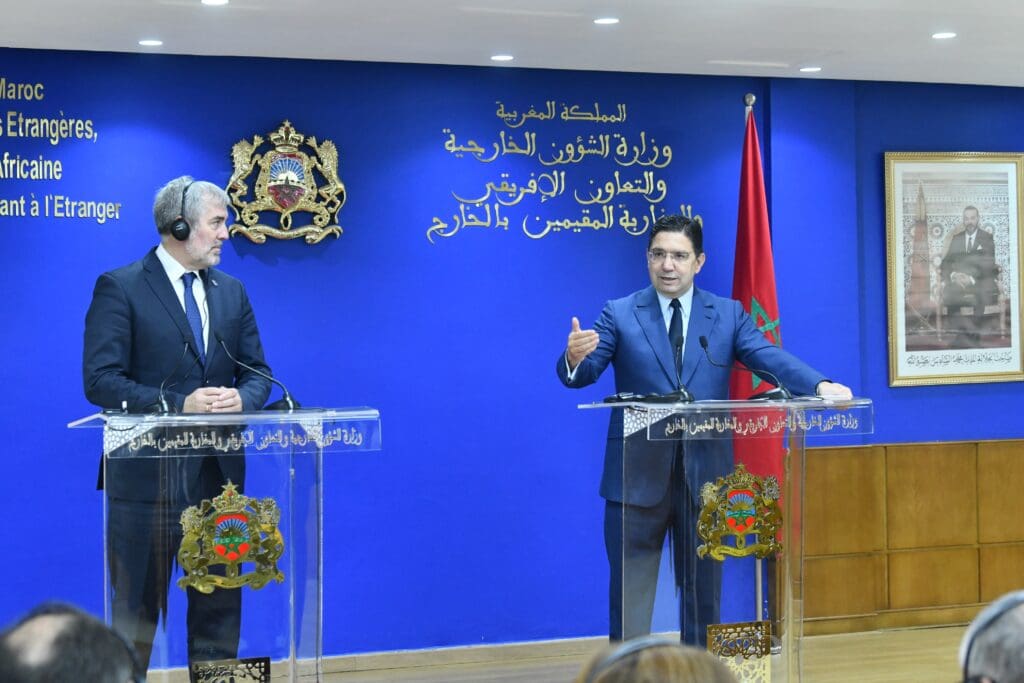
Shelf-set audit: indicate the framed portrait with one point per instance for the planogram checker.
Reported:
(953, 247)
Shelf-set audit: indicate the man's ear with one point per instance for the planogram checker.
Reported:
(700, 262)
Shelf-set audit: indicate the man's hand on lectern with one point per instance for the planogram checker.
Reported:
(828, 389)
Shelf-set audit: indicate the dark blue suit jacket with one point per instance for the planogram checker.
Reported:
(136, 335)
(635, 341)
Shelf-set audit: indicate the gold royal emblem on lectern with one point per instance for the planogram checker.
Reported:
(286, 184)
(744, 507)
(233, 531)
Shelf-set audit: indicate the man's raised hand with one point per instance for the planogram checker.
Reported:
(581, 344)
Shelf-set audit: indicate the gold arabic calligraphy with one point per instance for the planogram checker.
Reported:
(602, 203)
(218, 440)
(569, 113)
(762, 424)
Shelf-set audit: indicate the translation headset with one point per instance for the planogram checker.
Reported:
(626, 649)
(179, 227)
(1012, 601)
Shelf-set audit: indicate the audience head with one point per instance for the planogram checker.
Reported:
(56, 643)
(653, 659)
(992, 649)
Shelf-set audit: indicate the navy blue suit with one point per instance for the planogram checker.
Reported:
(136, 337)
(663, 487)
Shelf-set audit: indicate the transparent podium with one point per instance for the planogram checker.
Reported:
(213, 537)
(710, 524)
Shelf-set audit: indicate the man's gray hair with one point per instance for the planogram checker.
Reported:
(993, 645)
(58, 643)
(173, 201)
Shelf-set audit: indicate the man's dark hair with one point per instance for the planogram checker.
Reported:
(58, 643)
(678, 223)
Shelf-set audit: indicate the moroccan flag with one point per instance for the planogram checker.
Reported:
(753, 285)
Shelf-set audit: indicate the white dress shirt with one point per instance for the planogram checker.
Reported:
(174, 272)
(685, 304)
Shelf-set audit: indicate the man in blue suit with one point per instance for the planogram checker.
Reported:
(160, 335)
(652, 338)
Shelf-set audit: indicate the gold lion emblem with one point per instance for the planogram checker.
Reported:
(286, 184)
(743, 507)
(233, 531)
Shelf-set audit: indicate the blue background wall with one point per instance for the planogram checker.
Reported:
(479, 522)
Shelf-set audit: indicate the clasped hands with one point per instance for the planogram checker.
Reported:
(213, 400)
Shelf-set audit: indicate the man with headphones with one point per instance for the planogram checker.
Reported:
(992, 649)
(160, 335)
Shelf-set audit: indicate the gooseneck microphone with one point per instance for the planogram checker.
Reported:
(284, 403)
(680, 395)
(780, 392)
(162, 404)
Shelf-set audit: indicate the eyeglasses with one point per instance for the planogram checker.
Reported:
(659, 256)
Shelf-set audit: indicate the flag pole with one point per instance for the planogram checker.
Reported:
(748, 101)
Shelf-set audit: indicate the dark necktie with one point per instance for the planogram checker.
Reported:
(195, 320)
(675, 336)
(970, 243)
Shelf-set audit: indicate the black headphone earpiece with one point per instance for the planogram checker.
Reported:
(625, 649)
(1012, 602)
(179, 226)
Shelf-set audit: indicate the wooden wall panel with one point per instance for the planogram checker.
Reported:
(844, 495)
(849, 585)
(931, 495)
(1002, 570)
(911, 535)
(1001, 492)
(932, 578)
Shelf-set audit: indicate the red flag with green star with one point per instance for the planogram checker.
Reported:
(753, 285)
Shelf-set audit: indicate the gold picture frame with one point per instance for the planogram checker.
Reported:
(954, 253)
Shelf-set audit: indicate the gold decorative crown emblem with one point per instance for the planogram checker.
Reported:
(744, 508)
(233, 531)
(286, 138)
(287, 184)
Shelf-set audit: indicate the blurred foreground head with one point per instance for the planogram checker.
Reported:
(56, 643)
(992, 649)
(653, 659)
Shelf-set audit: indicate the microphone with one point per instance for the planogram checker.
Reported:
(284, 403)
(779, 393)
(682, 394)
(162, 405)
